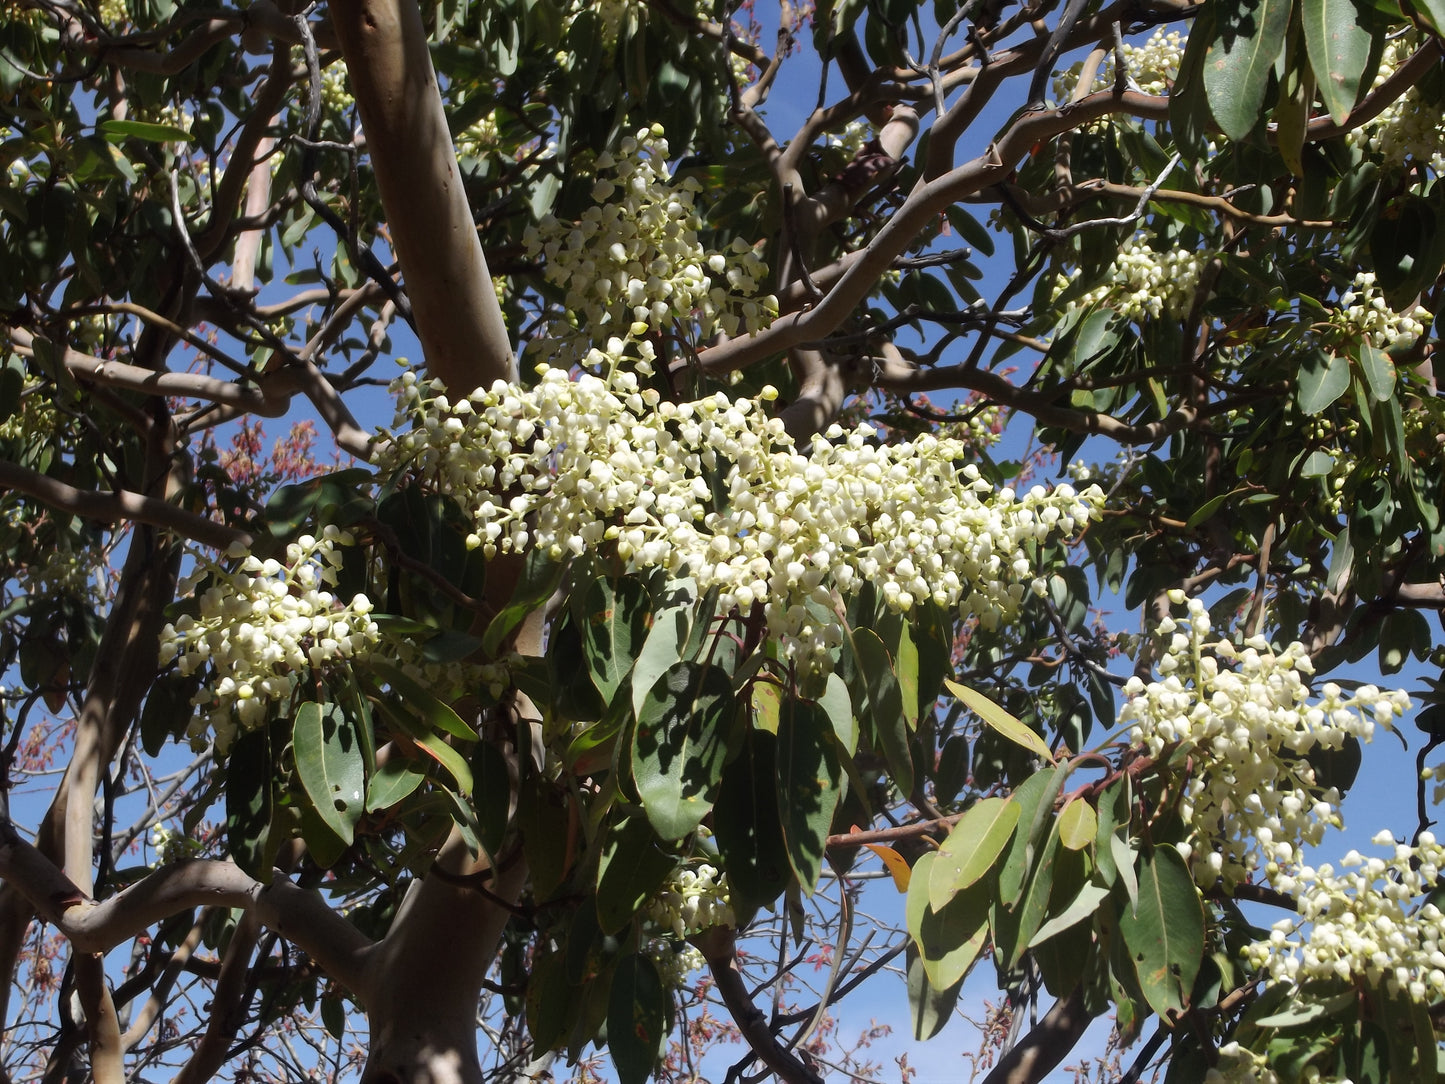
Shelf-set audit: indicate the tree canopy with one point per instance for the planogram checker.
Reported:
(990, 448)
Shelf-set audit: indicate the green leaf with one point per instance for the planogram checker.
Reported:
(884, 708)
(1405, 248)
(430, 744)
(392, 782)
(747, 826)
(1431, 13)
(1081, 907)
(1338, 37)
(929, 1007)
(971, 848)
(435, 713)
(250, 801)
(1379, 372)
(809, 783)
(551, 1001)
(1001, 720)
(1323, 378)
(663, 647)
(1035, 902)
(540, 577)
(950, 938)
(636, 1019)
(1164, 933)
(1248, 39)
(839, 709)
(1077, 825)
(330, 765)
(1036, 800)
(632, 868)
(680, 745)
(613, 630)
(117, 130)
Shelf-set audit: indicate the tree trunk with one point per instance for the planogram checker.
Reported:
(425, 981)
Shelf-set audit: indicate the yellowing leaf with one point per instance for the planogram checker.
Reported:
(1077, 825)
(897, 865)
(1000, 720)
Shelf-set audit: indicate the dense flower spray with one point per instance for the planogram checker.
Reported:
(1244, 717)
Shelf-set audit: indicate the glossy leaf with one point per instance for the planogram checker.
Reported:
(632, 868)
(1248, 38)
(680, 744)
(929, 1007)
(949, 939)
(1083, 906)
(436, 714)
(1000, 720)
(392, 782)
(747, 826)
(430, 745)
(250, 801)
(1379, 372)
(330, 766)
(614, 629)
(540, 577)
(1164, 933)
(809, 783)
(837, 705)
(660, 650)
(636, 1019)
(1323, 378)
(1036, 802)
(1034, 904)
(972, 847)
(1338, 37)
(884, 708)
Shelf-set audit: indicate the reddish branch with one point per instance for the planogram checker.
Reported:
(719, 948)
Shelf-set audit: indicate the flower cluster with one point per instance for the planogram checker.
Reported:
(1152, 66)
(1410, 129)
(1252, 793)
(1369, 924)
(479, 138)
(695, 899)
(716, 490)
(260, 625)
(1144, 282)
(634, 263)
(674, 960)
(1363, 316)
(171, 845)
(335, 89)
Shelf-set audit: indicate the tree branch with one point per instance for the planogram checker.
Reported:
(719, 948)
(457, 315)
(300, 915)
(1047, 1043)
(120, 505)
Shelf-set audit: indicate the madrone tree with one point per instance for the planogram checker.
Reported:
(567, 712)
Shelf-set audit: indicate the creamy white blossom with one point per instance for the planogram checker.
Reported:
(1370, 922)
(1246, 719)
(1409, 129)
(634, 263)
(262, 624)
(1145, 282)
(715, 489)
(1363, 316)
(1152, 66)
(694, 899)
